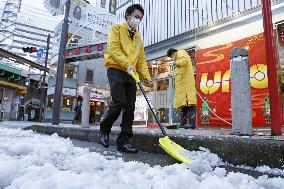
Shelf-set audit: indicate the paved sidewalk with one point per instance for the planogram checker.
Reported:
(259, 149)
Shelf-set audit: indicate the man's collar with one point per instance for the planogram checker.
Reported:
(125, 25)
(130, 29)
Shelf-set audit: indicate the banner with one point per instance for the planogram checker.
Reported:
(140, 113)
(96, 94)
(97, 19)
(213, 82)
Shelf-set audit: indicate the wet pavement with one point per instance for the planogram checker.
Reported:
(153, 159)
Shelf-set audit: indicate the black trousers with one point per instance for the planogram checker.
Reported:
(123, 92)
(189, 113)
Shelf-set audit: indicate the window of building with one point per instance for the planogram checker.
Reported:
(72, 41)
(68, 72)
(163, 85)
(50, 100)
(67, 103)
(89, 76)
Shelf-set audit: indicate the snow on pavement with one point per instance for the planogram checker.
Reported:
(29, 160)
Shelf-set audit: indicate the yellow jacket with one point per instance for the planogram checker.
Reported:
(185, 94)
(122, 51)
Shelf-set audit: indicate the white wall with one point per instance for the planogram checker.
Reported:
(167, 18)
(234, 30)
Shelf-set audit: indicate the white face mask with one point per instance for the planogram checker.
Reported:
(134, 22)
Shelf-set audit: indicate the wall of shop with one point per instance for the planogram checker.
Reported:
(239, 28)
(7, 96)
(217, 41)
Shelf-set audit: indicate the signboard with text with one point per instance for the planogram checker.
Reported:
(213, 82)
(85, 52)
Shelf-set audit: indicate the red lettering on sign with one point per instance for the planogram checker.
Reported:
(76, 51)
(100, 47)
(67, 53)
(88, 49)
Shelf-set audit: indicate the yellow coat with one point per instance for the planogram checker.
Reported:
(185, 90)
(122, 51)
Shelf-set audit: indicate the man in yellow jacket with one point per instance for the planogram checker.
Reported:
(125, 52)
(185, 90)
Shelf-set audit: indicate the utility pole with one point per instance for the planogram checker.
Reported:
(272, 65)
(42, 86)
(60, 68)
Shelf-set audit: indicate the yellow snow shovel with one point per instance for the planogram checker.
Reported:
(172, 148)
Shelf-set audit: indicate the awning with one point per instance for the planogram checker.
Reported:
(21, 89)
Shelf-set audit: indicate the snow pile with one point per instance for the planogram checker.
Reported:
(262, 169)
(29, 160)
(203, 161)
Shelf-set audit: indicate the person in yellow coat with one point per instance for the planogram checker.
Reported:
(124, 53)
(185, 90)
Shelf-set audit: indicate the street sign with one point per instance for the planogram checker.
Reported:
(40, 52)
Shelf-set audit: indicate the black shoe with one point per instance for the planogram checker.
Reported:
(127, 148)
(189, 126)
(104, 138)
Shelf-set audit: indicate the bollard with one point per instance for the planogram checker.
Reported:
(240, 92)
(85, 107)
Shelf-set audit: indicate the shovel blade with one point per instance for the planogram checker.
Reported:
(174, 150)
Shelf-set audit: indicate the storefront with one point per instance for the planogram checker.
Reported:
(11, 92)
(213, 45)
(161, 94)
(67, 106)
(98, 103)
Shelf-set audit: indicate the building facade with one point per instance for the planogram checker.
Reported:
(208, 30)
(23, 24)
(84, 66)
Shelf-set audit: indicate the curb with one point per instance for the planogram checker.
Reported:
(235, 150)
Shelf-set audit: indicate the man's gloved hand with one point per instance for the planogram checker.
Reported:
(148, 82)
(129, 68)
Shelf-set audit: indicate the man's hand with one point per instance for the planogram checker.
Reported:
(148, 82)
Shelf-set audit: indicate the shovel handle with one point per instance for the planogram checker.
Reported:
(152, 109)
(136, 77)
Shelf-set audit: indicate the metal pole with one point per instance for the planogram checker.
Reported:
(274, 90)
(43, 89)
(60, 68)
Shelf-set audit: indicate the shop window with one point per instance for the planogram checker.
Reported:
(50, 100)
(89, 76)
(163, 85)
(68, 72)
(67, 103)
(97, 110)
